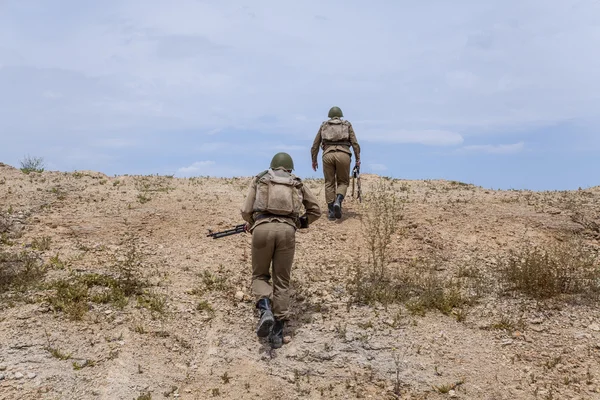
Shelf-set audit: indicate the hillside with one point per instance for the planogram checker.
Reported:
(111, 290)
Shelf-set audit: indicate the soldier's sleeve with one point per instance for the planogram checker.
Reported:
(313, 211)
(248, 205)
(314, 150)
(354, 142)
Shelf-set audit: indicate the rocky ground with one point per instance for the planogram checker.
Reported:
(111, 290)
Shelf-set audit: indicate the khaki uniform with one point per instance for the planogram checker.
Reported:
(336, 162)
(273, 248)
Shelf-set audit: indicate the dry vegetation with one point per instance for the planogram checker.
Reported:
(109, 288)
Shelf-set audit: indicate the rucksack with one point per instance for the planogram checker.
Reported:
(335, 130)
(278, 192)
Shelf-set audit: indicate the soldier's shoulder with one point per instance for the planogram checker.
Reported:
(296, 178)
(345, 121)
(261, 174)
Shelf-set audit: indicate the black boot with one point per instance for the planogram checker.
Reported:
(337, 206)
(266, 318)
(330, 215)
(276, 336)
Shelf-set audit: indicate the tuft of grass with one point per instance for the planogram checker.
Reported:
(446, 388)
(419, 286)
(213, 282)
(56, 263)
(41, 244)
(20, 271)
(58, 354)
(86, 363)
(505, 323)
(32, 164)
(153, 302)
(127, 280)
(568, 268)
(71, 297)
(143, 198)
(382, 211)
(204, 305)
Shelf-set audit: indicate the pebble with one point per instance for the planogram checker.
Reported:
(2, 367)
(239, 295)
(594, 327)
(287, 339)
(2, 377)
(581, 335)
(452, 394)
(18, 375)
(31, 375)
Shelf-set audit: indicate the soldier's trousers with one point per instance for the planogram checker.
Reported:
(273, 245)
(336, 169)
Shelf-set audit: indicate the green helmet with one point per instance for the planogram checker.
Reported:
(282, 160)
(335, 112)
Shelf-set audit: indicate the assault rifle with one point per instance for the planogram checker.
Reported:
(356, 175)
(233, 231)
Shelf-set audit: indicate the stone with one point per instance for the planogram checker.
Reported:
(287, 339)
(31, 375)
(594, 327)
(452, 394)
(18, 375)
(239, 295)
(2, 377)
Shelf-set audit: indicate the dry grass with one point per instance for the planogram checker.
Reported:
(128, 278)
(20, 271)
(418, 285)
(542, 272)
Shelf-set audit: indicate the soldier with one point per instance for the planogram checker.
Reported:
(272, 210)
(335, 136)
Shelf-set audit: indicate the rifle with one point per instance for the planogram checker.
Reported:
(233, 231)
(356, 175)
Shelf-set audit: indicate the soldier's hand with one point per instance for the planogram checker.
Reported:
(247, 227)
(357, 163)
(315, 166)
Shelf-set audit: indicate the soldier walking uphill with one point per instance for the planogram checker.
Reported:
(335, 136)
(272, 210)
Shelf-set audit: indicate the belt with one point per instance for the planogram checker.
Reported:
(263, 216)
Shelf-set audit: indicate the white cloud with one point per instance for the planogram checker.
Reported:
(48, 94)
(210, 168)
(425, 137)
(494, 148)
(288, 148)
(377, 167)
(195, 169)
(115, 143)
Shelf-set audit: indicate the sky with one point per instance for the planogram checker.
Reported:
(502, 94)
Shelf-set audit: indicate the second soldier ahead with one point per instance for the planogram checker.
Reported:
(335, 136)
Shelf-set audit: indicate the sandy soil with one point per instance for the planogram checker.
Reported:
(338, 349)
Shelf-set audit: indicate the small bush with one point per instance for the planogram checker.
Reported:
(32, 164)
(42, 243)
(381, 213)
(71, 297)
(20, 271)
(568, 268)
(127, 280)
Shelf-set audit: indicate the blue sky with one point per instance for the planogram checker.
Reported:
(502, 94)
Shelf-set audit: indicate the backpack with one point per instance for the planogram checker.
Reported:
(335, 130)
(278, 192)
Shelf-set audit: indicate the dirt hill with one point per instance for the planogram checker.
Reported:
(110, 289)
